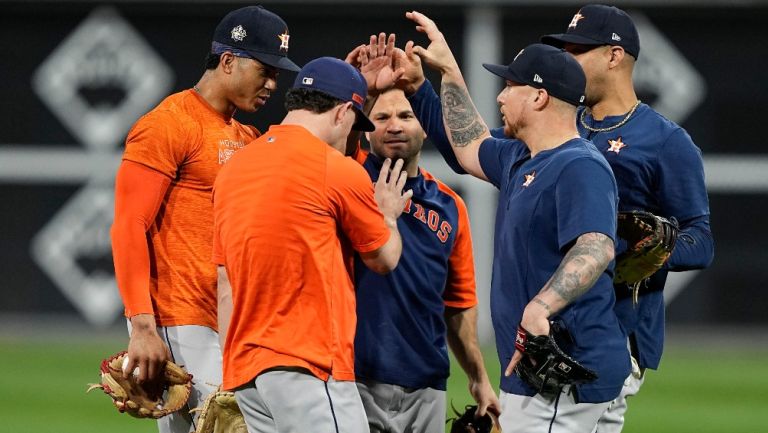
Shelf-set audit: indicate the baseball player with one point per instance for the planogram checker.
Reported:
(163, 228)
(289, 210)
(658, 169)
(402, 375)
(555, 225)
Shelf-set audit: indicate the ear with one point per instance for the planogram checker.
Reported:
(541, 99)
(341, 112)
(617, 56)
(227, 62)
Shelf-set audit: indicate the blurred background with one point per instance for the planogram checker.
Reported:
(76, 75)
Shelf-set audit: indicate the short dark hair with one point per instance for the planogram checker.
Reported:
(212, 61)
(309, 99)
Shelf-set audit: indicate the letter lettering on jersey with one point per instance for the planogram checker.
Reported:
(420, 214)
(407, 208)
(433, 219)
(445, 230)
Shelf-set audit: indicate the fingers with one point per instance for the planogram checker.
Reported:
(373, 48)
(397, 169)
(129, 367)
(381, 47)
(390, 48)
(384, 173)
(512, 363)
(409, 49)
(354, 55)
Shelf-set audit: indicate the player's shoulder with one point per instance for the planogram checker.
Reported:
(441, 186)
(583, 153)
(169, 113)
(652, 120)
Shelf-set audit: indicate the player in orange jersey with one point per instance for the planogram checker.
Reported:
(163, 228)
(289, 211)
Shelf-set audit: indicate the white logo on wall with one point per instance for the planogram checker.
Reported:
(100, 79)
(665, 72)
(103, 55)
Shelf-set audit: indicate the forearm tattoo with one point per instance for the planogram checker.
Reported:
(461, 117)
(581, 266)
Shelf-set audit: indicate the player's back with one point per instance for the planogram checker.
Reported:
(271, 204)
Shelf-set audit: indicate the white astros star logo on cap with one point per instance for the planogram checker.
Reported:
(238, 33)
(575, 20)
(284, 40)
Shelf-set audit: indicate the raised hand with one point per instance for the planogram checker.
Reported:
(437, 55)
(413, 73)
(375, 62)
(388, 191)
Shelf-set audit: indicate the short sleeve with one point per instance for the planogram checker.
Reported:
(460, 290)
(162, 141)
(495, 154)
(586, 198)
(350, 193)
(682, 189)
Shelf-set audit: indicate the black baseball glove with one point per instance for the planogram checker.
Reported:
(467, 423)
(545, 367)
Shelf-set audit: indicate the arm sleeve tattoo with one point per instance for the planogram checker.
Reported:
(461, 118)
(581, 266)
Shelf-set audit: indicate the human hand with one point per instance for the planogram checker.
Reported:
(413, 73)
(388, 191)
(438, 54)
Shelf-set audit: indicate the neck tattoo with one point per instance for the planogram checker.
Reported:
(609, 128)
(196, 89)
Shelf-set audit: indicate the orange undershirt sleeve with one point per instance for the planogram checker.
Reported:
(139, 191)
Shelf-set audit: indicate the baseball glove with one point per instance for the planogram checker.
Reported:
(650, 241)
(220, 414)
(467, 423)
(545, 367)
(134, 399)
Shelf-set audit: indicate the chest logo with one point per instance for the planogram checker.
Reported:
(441, 227)
(615, 145)
(529, 179)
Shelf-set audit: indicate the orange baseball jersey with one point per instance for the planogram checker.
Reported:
(289, 210)
(185, 139)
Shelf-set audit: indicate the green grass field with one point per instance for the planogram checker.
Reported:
(42, 389)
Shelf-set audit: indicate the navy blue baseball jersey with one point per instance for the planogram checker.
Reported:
(658, 169)
(401, 330)
(545, 204)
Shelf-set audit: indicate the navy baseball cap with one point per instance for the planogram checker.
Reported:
(340, 80)
(599, 25)
(546, 67)
(256, 33)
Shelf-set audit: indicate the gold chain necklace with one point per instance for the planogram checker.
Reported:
(610, 128)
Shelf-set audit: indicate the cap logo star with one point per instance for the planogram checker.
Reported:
(284, 41)
(529, 178)
(575, 20)
(615, 145)
(238, 33)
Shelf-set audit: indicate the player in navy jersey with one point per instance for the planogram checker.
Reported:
(657, 166)
(555, 222)
(406, 319)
